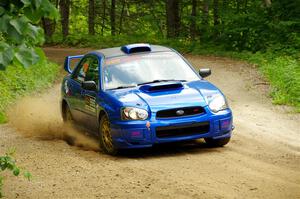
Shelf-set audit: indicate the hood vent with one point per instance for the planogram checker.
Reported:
(161, 87)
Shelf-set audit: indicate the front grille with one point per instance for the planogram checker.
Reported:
(186, 130)
(176, 112)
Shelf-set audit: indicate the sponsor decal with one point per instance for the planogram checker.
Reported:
(90, 103)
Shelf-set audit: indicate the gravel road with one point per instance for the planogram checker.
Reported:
(261, 161)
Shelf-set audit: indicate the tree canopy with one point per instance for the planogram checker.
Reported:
(235, 24)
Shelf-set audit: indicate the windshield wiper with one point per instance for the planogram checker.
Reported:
(161, 80)
(120, 87)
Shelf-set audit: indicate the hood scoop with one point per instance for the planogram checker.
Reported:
(161, 87)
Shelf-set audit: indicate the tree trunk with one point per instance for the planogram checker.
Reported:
(113, 17)
(238, 6)
(193, 21)
(245, 5)
(122, 16)
(216, 12)
(91, 21)
(64, 7)
(157, 17)
(49, 27)
(173, 19)
(224, 6)
(103, 17)
(205, 12)
(267, 3)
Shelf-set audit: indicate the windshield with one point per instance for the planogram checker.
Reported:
(126, 71)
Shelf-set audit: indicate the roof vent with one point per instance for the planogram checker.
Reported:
(161, 87)
(136, 48)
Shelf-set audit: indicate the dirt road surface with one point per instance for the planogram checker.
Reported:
(261, 161)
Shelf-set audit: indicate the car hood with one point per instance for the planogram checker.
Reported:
(190, 94)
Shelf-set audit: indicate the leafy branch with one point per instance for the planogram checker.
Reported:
(19, 30)
(7, 162)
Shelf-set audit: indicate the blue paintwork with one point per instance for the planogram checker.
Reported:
(135, 134)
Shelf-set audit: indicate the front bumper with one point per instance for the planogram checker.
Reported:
(137, 134)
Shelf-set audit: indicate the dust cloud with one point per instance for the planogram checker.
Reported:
(39, 117)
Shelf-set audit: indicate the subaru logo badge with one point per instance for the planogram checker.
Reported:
(180, 112)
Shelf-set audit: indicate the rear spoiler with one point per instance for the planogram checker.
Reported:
(67, 63)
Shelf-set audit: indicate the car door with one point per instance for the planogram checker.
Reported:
(90, 96)
(76, 101)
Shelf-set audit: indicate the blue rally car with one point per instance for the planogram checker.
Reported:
(138, 95)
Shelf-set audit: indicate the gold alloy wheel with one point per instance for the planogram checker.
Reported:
(106, 136)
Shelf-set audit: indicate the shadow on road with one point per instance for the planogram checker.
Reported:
(158, 150)
(168, 149)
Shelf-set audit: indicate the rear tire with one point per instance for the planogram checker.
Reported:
(67, 115)
(68, 122)
(217, 142)
(106, 142)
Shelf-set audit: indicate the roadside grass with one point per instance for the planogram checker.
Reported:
(279, 65)
(280, 68)
(17, 81)
(283, 73)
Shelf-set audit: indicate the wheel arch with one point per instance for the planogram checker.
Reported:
(102, 112)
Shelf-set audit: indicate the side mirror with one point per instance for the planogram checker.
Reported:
(89, 85)
(204, 72)
(67, 63)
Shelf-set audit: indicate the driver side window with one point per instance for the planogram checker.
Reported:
(92, 72)
(81, 70)
(88, 70)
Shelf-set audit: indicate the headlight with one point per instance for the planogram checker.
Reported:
(132, 113)
(217, 103)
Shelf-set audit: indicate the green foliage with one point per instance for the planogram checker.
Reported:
(17, 81)
(20, 32)
(3, 118)
(243, 25)
(283, 72)
(7, 162)
(181, 44)
(257, 28)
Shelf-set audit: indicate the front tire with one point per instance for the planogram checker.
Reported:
(217, 142)
(106, 142)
